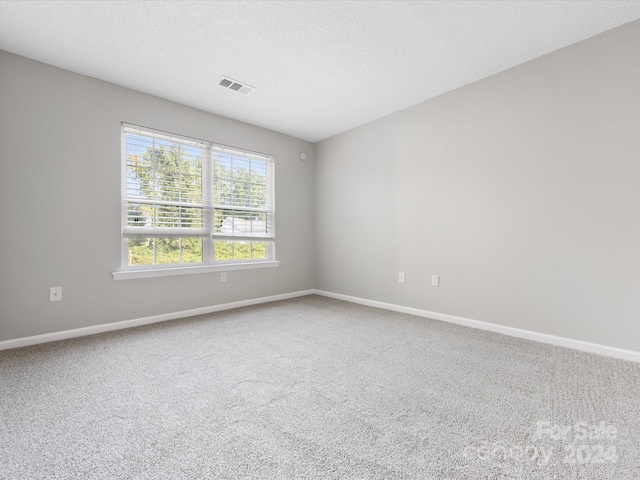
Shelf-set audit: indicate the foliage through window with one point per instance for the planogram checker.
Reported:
(190, 202)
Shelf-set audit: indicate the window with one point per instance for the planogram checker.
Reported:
(190, 203)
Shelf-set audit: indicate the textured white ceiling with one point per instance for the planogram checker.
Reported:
(320, 67)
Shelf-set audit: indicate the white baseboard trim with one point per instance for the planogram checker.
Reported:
(108, 327)
(605, 350)
(580, 345)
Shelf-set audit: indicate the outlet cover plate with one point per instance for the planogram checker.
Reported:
(55, 294)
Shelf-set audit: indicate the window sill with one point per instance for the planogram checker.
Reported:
(165, 272)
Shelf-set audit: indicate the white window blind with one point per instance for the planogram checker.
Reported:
(177, 188)
(243, 197)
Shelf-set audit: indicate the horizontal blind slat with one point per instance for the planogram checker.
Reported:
(242, 239)
(151, 232)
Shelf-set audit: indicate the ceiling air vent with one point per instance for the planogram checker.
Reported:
(239, 87)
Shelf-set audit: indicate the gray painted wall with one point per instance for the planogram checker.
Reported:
(522, 191)
(60, 203)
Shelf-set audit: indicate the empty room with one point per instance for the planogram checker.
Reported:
(320, 240)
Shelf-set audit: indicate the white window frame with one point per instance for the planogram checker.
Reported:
(207, 233)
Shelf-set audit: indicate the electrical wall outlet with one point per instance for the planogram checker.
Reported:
(401, 277)
(55, 294)
(435, 280)
(223, 277)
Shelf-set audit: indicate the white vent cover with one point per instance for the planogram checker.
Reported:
(236, 86)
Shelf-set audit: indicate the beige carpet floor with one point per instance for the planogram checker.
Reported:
(315, 388)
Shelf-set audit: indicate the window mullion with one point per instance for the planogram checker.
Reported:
(207, 201)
